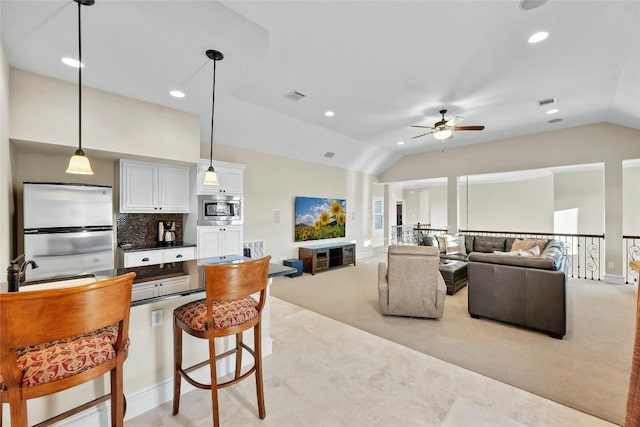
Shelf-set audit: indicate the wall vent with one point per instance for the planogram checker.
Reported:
(546, 101)
(329, 154)
(294, 95)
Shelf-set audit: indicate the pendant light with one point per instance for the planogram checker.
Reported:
(211, 177)
(79, 162)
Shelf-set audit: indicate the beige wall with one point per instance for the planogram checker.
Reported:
(271, 184)
(525, 205)
(597, 143)
(583, 191)
(6, 196)
(631, 201)
(601, 142)
(46, 110)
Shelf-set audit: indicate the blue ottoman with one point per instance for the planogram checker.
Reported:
(295, 263)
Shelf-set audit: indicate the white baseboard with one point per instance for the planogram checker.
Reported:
(613, 279)
(151, 397)
(364, 254)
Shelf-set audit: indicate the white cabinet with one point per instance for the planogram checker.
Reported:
(216, 241)
(230, 177)
(156, 256)
(153, 187)
(157, 288)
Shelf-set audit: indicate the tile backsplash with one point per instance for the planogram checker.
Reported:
(141, 230)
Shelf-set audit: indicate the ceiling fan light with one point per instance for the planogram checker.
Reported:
(79, 164)
(442, 134)
(211, 177)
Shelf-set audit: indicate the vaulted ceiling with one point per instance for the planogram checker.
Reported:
(381, 66)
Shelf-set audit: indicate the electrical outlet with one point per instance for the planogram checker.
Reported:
(156, 318)
(610, 264)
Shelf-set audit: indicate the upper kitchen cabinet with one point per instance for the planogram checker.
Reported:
(153, 187)
(230, 177)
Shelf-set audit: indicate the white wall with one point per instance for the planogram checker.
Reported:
(46, 110)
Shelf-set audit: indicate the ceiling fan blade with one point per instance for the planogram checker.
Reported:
(414, 137)
(454, 120)
(418, 126)
(469, 128)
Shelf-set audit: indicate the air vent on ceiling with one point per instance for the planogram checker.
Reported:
(546, 101)
(554, 121)
(294, 95)
(329, 154)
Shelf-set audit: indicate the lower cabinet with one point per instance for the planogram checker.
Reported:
(158, 288)
(155, 256)
(216, 241)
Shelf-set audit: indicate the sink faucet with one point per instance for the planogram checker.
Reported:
(15, 272)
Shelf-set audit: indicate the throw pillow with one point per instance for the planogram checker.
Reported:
(430, 240)
(442, 243)
(527, 244)
(455, 245)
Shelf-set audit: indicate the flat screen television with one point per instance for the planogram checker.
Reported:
(317, 218)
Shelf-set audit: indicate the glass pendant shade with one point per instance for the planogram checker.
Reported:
(442, 134)
(211, 177)
(79, 164)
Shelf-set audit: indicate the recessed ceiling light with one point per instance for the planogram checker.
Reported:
(552, 111)
(531, 4)
(71, 62)
(400, 142)
(176, 94)
(538, 37)
(329, 113)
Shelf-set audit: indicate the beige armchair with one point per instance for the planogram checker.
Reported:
(412, 284)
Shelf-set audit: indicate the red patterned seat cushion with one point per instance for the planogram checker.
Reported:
(226, 314)
(59, 359)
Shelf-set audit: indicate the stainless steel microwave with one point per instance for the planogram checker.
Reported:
(218, 209)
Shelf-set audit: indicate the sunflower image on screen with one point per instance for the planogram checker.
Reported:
(317, 218)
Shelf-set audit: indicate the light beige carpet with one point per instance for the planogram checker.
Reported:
(588, 370)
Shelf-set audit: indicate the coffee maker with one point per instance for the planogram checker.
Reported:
(166, 233)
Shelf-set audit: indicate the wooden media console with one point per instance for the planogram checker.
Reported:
(323, 257)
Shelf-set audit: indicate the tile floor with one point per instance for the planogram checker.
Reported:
(324, 373)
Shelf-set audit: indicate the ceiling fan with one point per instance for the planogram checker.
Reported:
(444, 128)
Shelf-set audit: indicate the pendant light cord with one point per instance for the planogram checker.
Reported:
(213, 103)
(79, 81)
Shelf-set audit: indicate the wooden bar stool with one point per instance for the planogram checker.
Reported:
(233, 310)
(55, 339)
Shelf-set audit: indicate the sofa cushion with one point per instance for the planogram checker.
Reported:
(488, 244)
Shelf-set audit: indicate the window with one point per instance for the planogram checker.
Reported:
(378, 213)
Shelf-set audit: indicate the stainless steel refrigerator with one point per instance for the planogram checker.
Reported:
(68, 228)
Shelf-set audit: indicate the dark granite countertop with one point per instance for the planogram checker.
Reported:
(156, 247)
(275, 270)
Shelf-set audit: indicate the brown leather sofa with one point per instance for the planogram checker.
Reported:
(525, 291)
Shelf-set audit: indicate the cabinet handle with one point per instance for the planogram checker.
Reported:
(145, 259)
(155, 209)
(179, 256)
